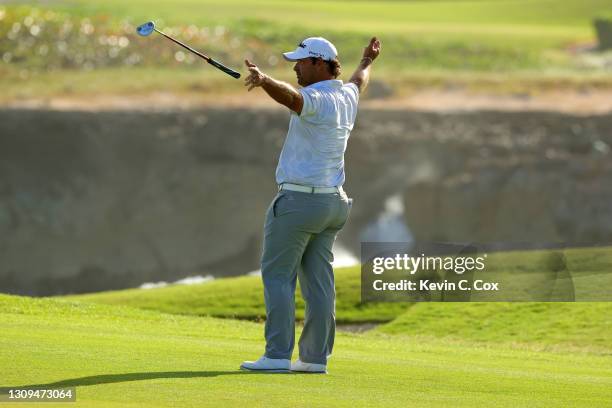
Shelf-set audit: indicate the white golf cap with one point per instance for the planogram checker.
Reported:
(316, 47)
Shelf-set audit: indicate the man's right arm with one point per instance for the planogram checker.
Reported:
(361, 76)
(281, 92)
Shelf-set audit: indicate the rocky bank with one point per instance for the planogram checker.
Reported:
(103, 200)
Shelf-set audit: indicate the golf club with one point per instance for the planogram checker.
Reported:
(148, 27)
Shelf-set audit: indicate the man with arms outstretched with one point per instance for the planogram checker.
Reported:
(311, 207)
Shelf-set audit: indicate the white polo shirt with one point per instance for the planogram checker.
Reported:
(313, 153)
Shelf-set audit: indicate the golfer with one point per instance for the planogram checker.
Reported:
(311, 207)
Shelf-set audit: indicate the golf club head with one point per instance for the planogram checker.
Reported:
(146, 28)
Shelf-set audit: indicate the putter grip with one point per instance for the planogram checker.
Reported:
(223, 68)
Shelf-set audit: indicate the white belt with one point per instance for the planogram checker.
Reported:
(312, 190)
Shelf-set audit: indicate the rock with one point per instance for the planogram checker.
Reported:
(378, 89)
(95, 201)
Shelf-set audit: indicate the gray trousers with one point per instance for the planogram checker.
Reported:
(299, 233)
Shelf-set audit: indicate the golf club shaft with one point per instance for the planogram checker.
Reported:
(211, 61)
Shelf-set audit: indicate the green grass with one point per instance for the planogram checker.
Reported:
(579, 325)
(518, 24)
(425, 34)
(425, 43)
(397, 16)
(585, 326)
(118, 356)
(243, 298)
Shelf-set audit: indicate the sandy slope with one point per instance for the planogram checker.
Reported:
(576, 102)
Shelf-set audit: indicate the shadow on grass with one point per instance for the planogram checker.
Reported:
(116, 378)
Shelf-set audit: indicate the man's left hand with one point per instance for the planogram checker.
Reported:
(256, 77)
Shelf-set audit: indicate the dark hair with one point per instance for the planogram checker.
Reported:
(333, 66)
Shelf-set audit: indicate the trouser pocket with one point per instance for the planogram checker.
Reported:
(275, 202)
(349, 206)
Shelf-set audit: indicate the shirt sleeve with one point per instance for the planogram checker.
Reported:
(353, 89)
(312, 101)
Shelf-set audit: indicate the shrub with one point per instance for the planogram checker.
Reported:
(603, 28)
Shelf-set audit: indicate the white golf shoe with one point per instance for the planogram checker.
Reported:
(302, 367)
(268, 365)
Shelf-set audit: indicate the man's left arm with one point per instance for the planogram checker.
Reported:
(281, 92)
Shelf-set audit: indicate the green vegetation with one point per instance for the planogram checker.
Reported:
(243, 298)
(320, 14)
(425, 43)
(578, 325)
(119, 356)
(115, 352)
(181, 345)
(585, 326)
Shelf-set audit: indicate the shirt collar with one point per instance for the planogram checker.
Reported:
(329, 83)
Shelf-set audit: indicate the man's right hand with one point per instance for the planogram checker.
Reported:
(372, 50)
(256, 77)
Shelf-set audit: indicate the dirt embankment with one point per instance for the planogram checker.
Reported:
(573, 101)
(110, 199)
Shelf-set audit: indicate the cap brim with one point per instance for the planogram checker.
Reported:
(295, 55)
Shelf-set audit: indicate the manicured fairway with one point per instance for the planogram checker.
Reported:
(118, 356)
(580, 325)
